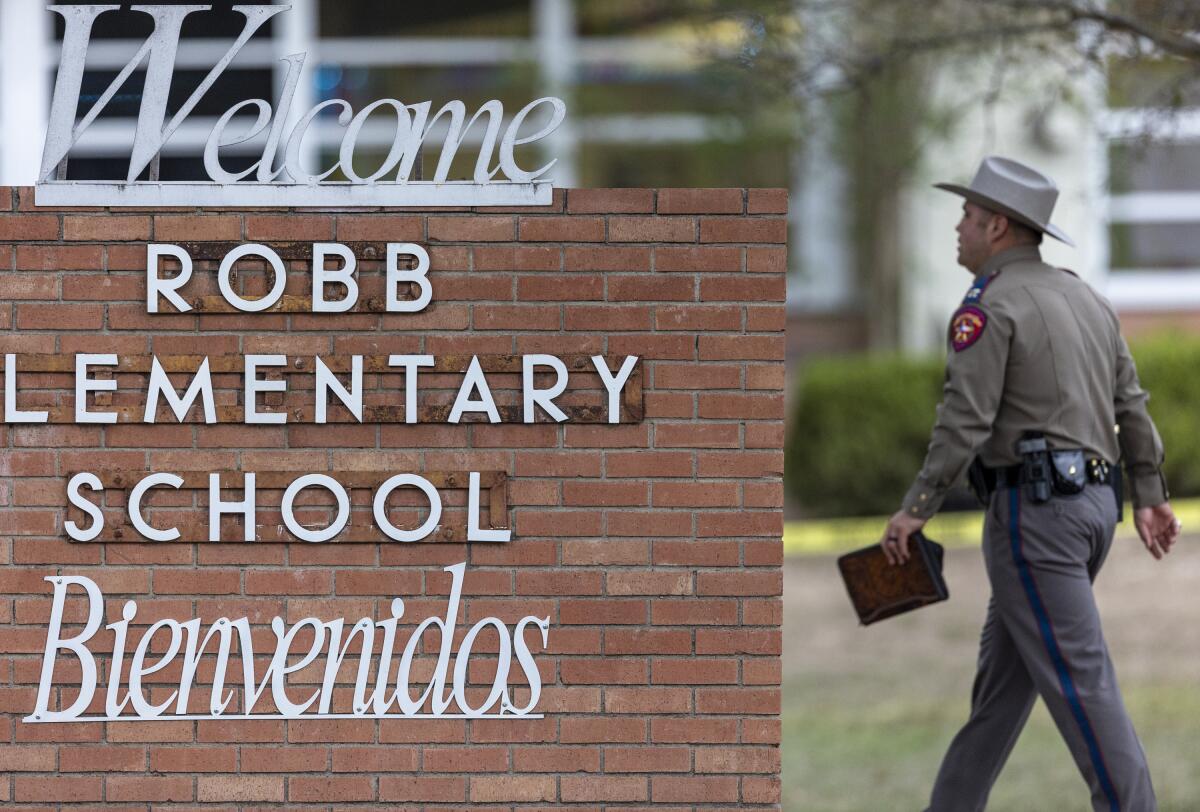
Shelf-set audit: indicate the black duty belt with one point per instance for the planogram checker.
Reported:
(1097, 470)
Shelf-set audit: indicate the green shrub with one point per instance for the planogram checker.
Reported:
(861, 424)
(860, 432)
(1169, 368)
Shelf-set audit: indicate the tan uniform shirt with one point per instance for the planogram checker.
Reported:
(1035, 348)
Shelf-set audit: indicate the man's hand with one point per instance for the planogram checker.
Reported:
(895, 538)
(1158, 528)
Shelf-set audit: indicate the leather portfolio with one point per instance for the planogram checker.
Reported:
(881, 590)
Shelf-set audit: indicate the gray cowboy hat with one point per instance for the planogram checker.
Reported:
(1015, 190)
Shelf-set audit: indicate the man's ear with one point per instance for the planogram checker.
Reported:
(997, 227)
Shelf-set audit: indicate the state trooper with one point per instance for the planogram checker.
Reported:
(1041, 402)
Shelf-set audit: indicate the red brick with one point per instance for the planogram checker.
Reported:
(183, 227)
(767, 201)
(669, 612)
(518, 317)
(606, 258)
(36, 758)
(422, 789)
(606, 494)
(197, 582)
(684, 789)
(465, 759)
(193, 758)
(556, 758)
(737, 700)
(15, 287)
(602, 612)
(699, 201)
(693, 730)
(615, 789)
(163, 789)
(650, 289)
(657, 759)
(744, 289)
(761, 790)
(556, 288)
(649, 464)
(14, 227)
(326, 788)
(766, 260)
(743, 229)
(381, 228)
(562, 229)
(697, 435)
(738, 641)
(106, 228)
(602, 729)
(694, 671)
(387, 758)
(750, 348)
(706, 259)
(504, 788)
(476, 228)
(59, 258)
(606, 671)
(608, 317)
(102, 758)
(610, 201)
(698, 317)
(648, 700)
(519, 257)
(649, 582)
(210, 788)
(289, 227)
(652, 229)
(66, 789)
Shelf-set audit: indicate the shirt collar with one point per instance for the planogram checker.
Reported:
(1018, 253)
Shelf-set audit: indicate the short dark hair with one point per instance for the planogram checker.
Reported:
(1025, 234)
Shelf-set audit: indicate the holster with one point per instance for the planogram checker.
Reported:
(979, 482)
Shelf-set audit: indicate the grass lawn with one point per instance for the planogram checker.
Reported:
(868, 713)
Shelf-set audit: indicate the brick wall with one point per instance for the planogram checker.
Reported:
(653, 546)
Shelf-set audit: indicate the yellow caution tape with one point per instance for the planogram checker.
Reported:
(825, 536)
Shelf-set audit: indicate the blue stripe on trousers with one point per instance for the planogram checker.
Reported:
(1056, 657)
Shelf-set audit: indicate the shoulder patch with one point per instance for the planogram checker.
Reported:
(966, 327)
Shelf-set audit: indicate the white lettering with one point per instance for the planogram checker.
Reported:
(380, 682)
(157, 286)
(614, 384)
(277, 270)
(254, 387)
(74, 497)
(84, 384)
(217, 508)
(352, 399)
(417, 276)
(160, 387)
(11, 413)
(474, 382)
(344, 275)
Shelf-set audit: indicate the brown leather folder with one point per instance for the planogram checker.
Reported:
(880, 590)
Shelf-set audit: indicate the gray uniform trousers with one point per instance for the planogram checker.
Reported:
(1042, 638)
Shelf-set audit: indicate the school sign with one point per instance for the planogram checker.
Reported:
(429, 492)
